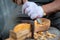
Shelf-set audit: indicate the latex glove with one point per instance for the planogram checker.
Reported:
(32, 10)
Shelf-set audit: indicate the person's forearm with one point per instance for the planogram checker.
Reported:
(51, 7)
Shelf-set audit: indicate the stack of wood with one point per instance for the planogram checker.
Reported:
(22, 30)
(37, 36)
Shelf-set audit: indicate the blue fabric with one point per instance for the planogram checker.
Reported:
(7, 16)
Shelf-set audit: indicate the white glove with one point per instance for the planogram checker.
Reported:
(32, 10)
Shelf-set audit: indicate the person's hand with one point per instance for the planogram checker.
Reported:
(32, 10)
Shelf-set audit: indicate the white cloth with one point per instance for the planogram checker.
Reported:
(32, 10)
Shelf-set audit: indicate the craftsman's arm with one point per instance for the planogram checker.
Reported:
(48, 8)
(52, 7)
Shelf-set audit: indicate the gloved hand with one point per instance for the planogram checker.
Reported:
(32, 10)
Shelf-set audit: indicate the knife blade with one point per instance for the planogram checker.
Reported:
(39, 20)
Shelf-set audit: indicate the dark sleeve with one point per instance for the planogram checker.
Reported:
(41, 0)
(55, 19)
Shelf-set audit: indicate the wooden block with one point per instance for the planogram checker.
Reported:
(13, 35)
